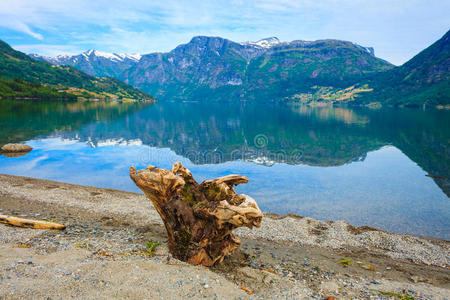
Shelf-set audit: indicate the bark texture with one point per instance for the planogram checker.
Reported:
(199, 218)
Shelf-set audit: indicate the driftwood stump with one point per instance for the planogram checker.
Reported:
(199, 218)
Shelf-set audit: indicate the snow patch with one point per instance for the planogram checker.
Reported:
(115, 142)
(112, 56)
(116, 57)
(264, 43)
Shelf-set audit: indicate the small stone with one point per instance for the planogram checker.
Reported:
(16, 148)
(329, 287)
(375, 282)
(388, 268)
(206, 286)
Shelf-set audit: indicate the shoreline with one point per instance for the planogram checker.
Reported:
(272, 215)
(289, 256)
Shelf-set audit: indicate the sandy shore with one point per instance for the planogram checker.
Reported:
(101, 254)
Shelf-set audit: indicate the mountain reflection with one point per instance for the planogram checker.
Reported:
(261, 133)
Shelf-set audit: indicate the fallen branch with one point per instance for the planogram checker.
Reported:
(28, 223)
(199, 218)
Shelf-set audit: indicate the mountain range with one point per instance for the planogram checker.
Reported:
(95, 63)
(24, 77)
(214, 67)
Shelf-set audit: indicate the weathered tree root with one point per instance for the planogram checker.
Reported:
(199, 218)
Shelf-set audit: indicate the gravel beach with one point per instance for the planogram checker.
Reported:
(102, 254)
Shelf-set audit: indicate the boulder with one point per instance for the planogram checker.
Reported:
(16, 148)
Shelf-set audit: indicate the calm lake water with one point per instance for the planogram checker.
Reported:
(365, 166)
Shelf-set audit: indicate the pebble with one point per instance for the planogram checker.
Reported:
(253, 264)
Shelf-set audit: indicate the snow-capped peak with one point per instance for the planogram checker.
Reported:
(265, 43)
(112, 56)
(133, 56)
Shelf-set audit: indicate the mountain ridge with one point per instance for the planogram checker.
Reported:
(209, 66)
(21, 76)
(423, 80)
(213, 67)
(94, 62)
(328, 70)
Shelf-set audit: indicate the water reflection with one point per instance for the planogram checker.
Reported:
(345, 115)
(365, 166)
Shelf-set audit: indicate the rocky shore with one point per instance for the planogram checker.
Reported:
(104, 253)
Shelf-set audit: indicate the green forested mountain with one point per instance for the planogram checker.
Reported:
(326, 71)
(21, 76)
(214, 67)
(18, 88)
(425, 79)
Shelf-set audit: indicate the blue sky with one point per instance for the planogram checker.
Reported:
(397, 29)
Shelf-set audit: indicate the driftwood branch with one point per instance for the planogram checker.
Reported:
(199, 218)
(28, 223)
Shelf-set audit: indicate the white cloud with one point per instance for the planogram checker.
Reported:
(49, 49)
(18, 25)
(397, 29)
(25, 29)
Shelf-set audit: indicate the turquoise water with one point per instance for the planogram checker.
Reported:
(364, 166)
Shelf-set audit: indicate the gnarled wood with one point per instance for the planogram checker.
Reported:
(28, 223)
(199, 218)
